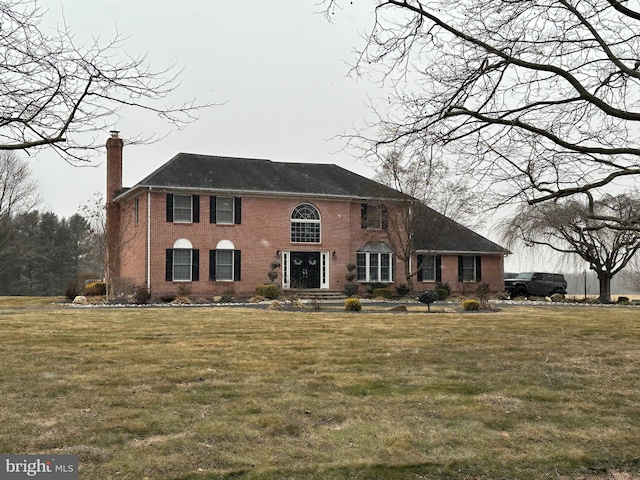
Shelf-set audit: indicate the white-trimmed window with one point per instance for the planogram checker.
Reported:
(469, 268)
(305, 224)
(224, 262)
(429, 268)
(182, 262)
(374, 263)
(224, 210)
(183, 208)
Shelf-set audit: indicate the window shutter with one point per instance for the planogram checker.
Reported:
(460, 267)
(169, 207)
(420, 260)
(363, 215)
(236, 265)
(478, 268)
(212, 264)
(195, 265)
(238, 210)
(212, 209)
(438, 268)
(195, 203)
(169, 265)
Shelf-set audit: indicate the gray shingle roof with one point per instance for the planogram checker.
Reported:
(436, 233)
(206, 172)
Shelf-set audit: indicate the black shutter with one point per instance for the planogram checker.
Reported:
(363, 215)
(238, 211)
(169, 265)
(478, 268)
(195, 202)
(236, 265)
(212, 264)
(438, 268)
(212, 209)
(169, 207)
(460, 269)
(420, 260)
(195, 265)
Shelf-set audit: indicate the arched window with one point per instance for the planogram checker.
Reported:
(305, 224)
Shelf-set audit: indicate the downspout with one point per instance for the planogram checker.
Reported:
(149, 239)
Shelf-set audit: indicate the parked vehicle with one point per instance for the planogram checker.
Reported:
(538, 284)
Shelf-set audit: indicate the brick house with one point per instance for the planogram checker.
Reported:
(216, 224)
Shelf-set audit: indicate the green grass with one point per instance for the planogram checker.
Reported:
(222, 393)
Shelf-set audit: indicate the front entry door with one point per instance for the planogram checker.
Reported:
(305, 270)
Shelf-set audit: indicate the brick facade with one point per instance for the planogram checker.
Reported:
(147, 238)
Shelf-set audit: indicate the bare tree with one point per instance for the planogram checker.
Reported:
(567, 227)
(428, 179)
(539, 98)
(18, 187)
(57, 93)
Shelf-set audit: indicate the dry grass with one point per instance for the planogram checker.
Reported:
(207, 393)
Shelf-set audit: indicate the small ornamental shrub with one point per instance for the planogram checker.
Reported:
(471, 305)
(71, 291)
(350, 266)
(276, 305)
(272, 274)
(351, 289)
(402, 289)
(273, 265)
(352, 305)
(444, 290)
(168, 298)
(225, 299)
(623, 300)
(350, 277)
(381, 293)
(268, 290)
(141, 295)
(428, 297)
(95, 288)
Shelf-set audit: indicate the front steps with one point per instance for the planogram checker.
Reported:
(320, 295)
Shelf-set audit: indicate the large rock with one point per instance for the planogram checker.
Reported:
(80, 300)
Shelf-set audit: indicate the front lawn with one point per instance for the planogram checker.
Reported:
(245, 393)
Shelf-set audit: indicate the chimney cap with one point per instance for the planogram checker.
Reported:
(114, 133)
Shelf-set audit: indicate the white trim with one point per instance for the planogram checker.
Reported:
(286, 273)
(149, 239)
(225, 245)
(324, 269)
(183, 243)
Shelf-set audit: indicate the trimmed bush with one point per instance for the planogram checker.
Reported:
(428, 297)
(471, 305)
(402, 289)
(351, 289)
(444, 290)
(268, 290)
(352, 305)
(95, 288)
(381, 293)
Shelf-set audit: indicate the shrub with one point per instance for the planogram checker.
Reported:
(350, 266)
(471, 305)
(351, 289)
(168, 298)
(382, 293)
(141, 295)
(71, 291)
(428, 297)
(276, 305)
(273, 265)
(352, 305)
(268, 290)
(95, 288)
(225, 299)
(373, 286)
(444, 290)
(402, 289)
(184, 290)
(272, 274)
(350, 277)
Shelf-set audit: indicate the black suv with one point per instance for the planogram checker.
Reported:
(535, 283)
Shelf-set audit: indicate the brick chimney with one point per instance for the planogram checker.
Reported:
(113, 224)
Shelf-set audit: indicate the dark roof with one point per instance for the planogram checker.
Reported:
(436, 233)
(228, 174)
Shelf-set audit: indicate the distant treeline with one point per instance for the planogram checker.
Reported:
(40, 254)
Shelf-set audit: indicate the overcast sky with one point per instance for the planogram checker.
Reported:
(279, 69)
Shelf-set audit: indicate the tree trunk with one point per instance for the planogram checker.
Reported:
(604, 279)
(407, 274)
